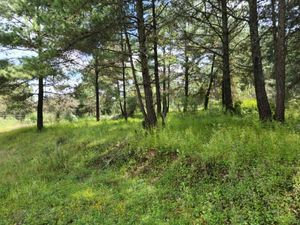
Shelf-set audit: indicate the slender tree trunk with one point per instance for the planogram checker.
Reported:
(120, 100)
(152, 120)
(156, 64)
(280, 64)
(97, 88)
(97, 96)
(124, 96)
(263, 105)
(274, 32)
(138, 91)
(124, 79)
(212, 77)
(227, 96)
(165, 100)
(186, 80)
(40, 105)
(169, 86)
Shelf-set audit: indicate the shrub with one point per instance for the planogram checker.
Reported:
(70, 117)
(249, 106)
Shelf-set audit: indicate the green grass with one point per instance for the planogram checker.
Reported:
(11, 124)
(205, 168)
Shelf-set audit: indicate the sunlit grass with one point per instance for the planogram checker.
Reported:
(203, 168)
(11, 124)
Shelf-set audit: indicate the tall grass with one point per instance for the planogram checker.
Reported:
(203, 168)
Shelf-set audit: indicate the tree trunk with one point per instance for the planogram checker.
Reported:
(165, 100)
(280, 64)
(156, 64)
(138, 91)
(227, 96)
(124, 79)
(212, 77)
(169, 86)
(40, 105)
(263, 105)
(97, 88)
(151, 120)
(186, 79)
(120, 100)
(274, 33)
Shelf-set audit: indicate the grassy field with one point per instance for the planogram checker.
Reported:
(11, 124)
(201, 169)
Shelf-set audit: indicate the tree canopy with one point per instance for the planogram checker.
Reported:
(166, 55)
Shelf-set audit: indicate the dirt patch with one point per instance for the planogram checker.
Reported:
(152, 161)
(115, 155)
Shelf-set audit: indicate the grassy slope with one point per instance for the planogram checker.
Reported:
(11, 124)
(201, 169)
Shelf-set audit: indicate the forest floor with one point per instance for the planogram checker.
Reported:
(204, 168)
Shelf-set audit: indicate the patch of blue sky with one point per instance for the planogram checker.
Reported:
(14, 55)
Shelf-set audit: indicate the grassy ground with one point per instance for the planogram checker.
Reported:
(201, 169)
(11, 124)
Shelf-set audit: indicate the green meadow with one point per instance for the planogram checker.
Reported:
(203, 168)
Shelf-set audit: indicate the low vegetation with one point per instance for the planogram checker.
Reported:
(203, 168)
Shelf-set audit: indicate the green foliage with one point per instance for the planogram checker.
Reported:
(70, 117)
(15, 92)
(206, 168)
(249, 106)
(131, 105)
(61, 107)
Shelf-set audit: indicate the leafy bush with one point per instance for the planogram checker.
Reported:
(249, 106)
(131, 105)
(70, 117)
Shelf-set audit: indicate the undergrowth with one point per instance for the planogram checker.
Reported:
(204, 168)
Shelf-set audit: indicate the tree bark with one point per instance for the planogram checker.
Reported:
(280, 63)
(124, 79)
(226, 87)
(274, 33)
(211, 80)
(186, 79)
(120, 100)
(263, 105)
(97, 88)
(164, 99)
(152, 119)
(169, 86)
(156, 64)
(138, 91)
(40, 105)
